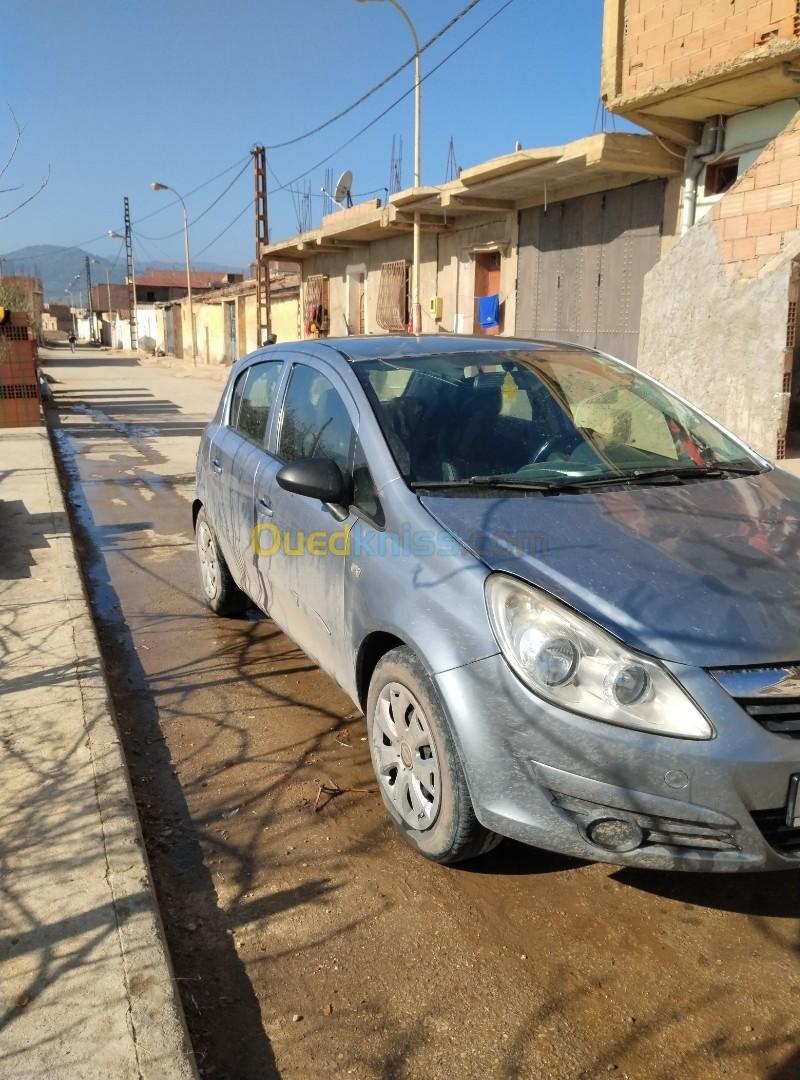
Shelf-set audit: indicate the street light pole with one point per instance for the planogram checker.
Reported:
(416, 309)
(166, 187)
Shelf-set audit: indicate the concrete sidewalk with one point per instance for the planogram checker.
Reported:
(86, 987)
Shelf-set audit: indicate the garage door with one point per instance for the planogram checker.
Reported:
(582, 264)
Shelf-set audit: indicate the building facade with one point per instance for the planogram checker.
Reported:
(719, 81)
(534, 243)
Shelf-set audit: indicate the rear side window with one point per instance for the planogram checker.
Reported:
(253, 396)
(315, 420)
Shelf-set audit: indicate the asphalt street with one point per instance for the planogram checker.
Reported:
(307, 940)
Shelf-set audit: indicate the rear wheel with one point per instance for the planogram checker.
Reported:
(417, 766)
(220, 591)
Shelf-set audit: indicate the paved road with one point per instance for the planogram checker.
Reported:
(310, 942)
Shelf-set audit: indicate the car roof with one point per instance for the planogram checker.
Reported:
(380, 346)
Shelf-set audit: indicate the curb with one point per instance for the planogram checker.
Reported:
(155, 1015)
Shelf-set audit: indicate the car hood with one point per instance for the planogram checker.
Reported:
(706, 573)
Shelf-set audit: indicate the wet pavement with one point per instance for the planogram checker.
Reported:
(306, 938)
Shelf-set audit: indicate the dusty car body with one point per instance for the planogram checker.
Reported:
(557, 632)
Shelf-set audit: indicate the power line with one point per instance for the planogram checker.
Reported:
(145, 217)
(219, 236)
(162, 255)
(396, 102)
(379, 86)
(202, 214)
(194, 190)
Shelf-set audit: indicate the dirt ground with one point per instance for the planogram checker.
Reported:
(308, 941)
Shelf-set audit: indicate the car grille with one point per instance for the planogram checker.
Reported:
(770, 695)
(782, 716)
(779, 835)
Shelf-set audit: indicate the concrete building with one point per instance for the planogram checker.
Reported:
(558, 239)
(161, 286)
(226, 319)
(718, 81)
(56, 320)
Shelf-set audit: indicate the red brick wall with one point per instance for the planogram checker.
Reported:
(664, 40)
(755, 216)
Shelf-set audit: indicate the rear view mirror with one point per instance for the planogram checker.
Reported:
(317, 478)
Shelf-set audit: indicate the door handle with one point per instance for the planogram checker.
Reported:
(216, 465)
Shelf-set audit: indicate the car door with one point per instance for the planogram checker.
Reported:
(219, 459)
(237, 458)
(303, 553)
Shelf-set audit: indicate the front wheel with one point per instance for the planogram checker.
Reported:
(220, 591)
(417, 766)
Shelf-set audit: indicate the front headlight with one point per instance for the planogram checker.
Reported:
(566, 659)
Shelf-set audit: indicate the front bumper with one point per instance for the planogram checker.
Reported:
(541, 775)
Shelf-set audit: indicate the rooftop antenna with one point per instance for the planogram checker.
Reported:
(305, 208)
(342, 195)
(396, 165)
(452, 170)
(328, 205)
(301, 199)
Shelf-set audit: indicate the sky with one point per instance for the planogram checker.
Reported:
(113, 95)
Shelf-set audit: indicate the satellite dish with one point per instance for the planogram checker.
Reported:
(344, 186)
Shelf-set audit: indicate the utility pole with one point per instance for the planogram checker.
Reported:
(132, 315)
(89, 304)
(261, 204)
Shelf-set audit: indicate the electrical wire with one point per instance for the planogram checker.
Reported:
(669, 149)
(396, 102)
(379, 86)
(145, 250)
(145, 217)
(202, 214)
(300, 176)
(194, 190)
(219, 235)
(160, 252)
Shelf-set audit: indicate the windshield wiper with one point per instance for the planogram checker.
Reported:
(665, 475)
(658, 476)
(485, 482)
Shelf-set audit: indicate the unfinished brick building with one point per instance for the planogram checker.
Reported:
(719, 82)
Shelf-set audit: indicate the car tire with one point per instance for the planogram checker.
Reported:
(417, 766)
(220, 591)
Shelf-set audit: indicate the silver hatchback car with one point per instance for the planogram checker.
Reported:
(567, 602)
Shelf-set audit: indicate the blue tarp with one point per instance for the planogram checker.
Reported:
(489, 311)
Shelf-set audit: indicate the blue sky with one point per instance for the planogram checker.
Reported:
(115, 94)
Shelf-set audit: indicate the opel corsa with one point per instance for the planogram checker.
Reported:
(567, 602)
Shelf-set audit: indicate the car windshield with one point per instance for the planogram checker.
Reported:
(538, 416)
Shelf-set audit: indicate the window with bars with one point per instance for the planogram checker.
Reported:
(317, 321)
(392, 311)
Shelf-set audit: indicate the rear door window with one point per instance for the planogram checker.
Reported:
(253, 398)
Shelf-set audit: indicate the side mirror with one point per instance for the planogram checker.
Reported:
(317, 478)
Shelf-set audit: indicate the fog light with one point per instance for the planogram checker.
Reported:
(614, 834)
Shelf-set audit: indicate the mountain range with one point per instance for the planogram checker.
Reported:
(58, 267)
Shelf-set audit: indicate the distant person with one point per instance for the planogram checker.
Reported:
(72, 339)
